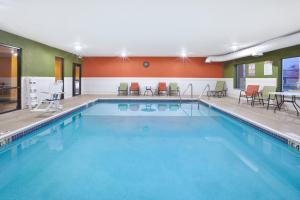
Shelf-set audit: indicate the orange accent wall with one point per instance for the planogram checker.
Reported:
(5, 66)
(159, 67)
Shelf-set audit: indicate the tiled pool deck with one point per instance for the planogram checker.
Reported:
(284, 123)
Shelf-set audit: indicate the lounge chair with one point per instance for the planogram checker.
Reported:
(264, 95)
(53, 100)
(123, 88)
(134, 88)
(219, 90)
(249, 93)
(162, 88)
(174, 89)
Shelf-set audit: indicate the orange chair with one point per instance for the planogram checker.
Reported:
(249, 93)
(162, 88)
(134, 88)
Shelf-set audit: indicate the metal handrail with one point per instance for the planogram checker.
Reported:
(206, 87)
(189, 85)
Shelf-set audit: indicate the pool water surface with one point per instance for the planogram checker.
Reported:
(149, 150)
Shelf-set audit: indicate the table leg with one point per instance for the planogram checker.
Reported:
(294, 104)
(277, 103)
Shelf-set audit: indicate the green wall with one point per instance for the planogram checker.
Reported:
(39, 59)
(275, 56)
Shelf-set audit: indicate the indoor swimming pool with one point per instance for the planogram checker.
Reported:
(152, 150)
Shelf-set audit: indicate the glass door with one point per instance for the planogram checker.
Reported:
(76, 79)
(10, 91)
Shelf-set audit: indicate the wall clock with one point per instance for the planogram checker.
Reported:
(146, 64)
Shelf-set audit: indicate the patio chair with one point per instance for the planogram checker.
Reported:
(219, 90)
(264, 96)
(162, 88)
(249, 93)
(52, 102)
(134, 88)
(123, 88)
(174, 89)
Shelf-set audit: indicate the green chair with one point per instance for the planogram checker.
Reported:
(123, 89)
(219, 90)
(174, 89)
(264, 96)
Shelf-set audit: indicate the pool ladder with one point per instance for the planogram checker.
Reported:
(188, 87)
(206, 88)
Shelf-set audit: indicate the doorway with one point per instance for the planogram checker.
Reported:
(59, 71)
(10, 78)
(76, 79)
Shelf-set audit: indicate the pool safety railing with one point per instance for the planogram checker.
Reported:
(206, 88)
(190, 86)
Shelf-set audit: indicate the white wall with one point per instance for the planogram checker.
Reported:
(68, 87)
(43, 84)
(110, 85)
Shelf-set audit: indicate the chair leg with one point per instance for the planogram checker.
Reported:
(240, 99)
(268, 103)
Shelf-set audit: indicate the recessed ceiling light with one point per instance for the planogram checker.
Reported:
(183, 54)
(124, 54)
(78, 47)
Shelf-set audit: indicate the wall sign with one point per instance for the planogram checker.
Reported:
(251, 69)
(268, 68)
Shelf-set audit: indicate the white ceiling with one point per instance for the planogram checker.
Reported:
(150, 27)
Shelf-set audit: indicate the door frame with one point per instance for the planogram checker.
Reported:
(62, 74)
(19, 77)
(73, 78)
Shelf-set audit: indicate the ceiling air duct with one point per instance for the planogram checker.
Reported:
(284, 41)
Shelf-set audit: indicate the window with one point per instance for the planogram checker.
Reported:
(290, 74)
(240, 76)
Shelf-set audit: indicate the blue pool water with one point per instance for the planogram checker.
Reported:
(151, 151)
